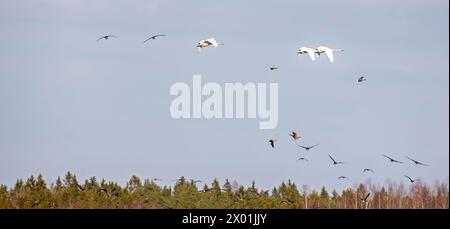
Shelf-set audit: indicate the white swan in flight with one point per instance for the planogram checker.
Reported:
(328, 51)
(205, 43)
(305, 50)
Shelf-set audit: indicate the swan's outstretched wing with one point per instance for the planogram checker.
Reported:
(311, 54)
(213, 42)
(310, 51)
(329, 54)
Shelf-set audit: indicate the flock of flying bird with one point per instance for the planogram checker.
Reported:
(200, 45)
(313, 54)
(329, 52)
(295, 136)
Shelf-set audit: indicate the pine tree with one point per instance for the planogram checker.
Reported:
(324, 198)
(335, 200)
(5, 199)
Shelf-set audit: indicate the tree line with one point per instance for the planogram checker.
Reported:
(68, 192)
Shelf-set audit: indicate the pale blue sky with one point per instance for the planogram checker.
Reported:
(102, 108)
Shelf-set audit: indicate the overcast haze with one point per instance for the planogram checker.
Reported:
(101, 109)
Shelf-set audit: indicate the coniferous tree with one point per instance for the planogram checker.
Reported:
(324, 198)
(5, 199)
(68, 193)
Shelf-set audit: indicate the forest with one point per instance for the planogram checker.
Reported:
(69, 193)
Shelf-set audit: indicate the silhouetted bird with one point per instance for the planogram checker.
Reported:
(106, 37)
(342, 177)
(294, 136)
(417, 162)
(156, 179)
(273, 68)
(365, 198)
(80, 187)
(334, 161)
(104, 190)
(368, 170)
(361, 79)
(154, 37)
(307, 147)
(272, 142)
(303, 159)
(290, 202)
(411, 180)
(392, 160)
(195, 181)
(211, 189)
